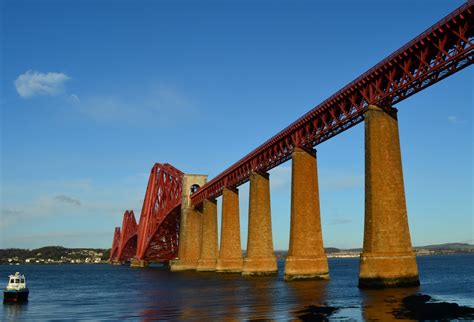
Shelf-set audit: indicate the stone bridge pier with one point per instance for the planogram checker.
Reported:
(208, 258)
(190, 227)
(306, 257)
(260, 258)
(230, 254)
(387, 258)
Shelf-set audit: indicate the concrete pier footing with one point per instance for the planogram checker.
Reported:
(306, 258)
(208, 258)
(230, 254)
(260, 259)
(387, 258)
(139, 263)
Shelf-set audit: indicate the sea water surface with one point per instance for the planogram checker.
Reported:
(106, 292)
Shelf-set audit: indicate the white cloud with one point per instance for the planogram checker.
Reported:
(455, 120)
(34, 83)
(160, 106)
(339, 221)
(329, 180)
(74, 98)
(68, 200)
(56, 202)
(280, 178)
(339, 180)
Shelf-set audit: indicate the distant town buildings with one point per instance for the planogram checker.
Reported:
(53, 255)
(62, 255)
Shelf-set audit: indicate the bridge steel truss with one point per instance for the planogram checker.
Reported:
(128, 241)
(115, 244)
(440, 51)
(158, 229)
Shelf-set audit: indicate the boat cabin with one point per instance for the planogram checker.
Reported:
(16, 282)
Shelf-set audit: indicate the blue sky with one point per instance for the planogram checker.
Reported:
(94, 92)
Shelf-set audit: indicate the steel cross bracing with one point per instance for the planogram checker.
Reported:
(115, 244)
(437, 53)
(128, 239)
(158, 228)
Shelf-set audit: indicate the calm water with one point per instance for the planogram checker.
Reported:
(105, 292)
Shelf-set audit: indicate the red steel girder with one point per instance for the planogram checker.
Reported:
(115, 244)
(164, 243)
(162, 200)
(128, 242)
(440, 51)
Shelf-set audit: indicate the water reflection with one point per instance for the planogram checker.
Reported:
(259, 295)
(306, 293)
(381, 303)
(14, 311)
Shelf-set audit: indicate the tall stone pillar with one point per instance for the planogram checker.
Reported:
(387, 258)
(260, 259)
(208, 258)
(190, 226)
(306, 257)
(230, 254)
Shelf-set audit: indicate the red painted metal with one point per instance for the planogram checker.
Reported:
(128, 240)
(158, 230)
(115, 244)
(437, 53)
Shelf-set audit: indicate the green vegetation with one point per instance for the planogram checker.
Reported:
(54, 254)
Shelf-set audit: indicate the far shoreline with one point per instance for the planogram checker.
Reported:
(330, 257)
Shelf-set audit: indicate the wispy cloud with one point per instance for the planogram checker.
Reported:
(11, 212)
(64, 235)
(339, 221)
(338, 181)
(162, 106)
(74, 98)
(84, 238)
(67, 200)
(455, 120)
(33, 83)
(58, 201)
(280, 178)
(9, 215)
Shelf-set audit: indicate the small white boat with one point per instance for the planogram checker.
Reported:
(16, 290)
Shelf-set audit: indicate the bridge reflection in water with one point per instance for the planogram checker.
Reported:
(205, 295)
(197, 295)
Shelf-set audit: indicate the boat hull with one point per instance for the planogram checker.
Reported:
(15, 296)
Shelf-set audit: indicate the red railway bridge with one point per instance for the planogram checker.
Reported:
(178, 220)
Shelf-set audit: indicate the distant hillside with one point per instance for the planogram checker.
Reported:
(452, 246)
(441, 248)
(59, 254)
(458, 247)
(52, 254)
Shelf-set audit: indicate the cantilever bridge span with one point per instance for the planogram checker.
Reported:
(155, 238)
(177, 212)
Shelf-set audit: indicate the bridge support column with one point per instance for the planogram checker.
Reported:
(387, 258)
(306, 258)
(260, 259)
(190, 226)
(230, 254)
(139, 263)
(208, 258)
(191, 243)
